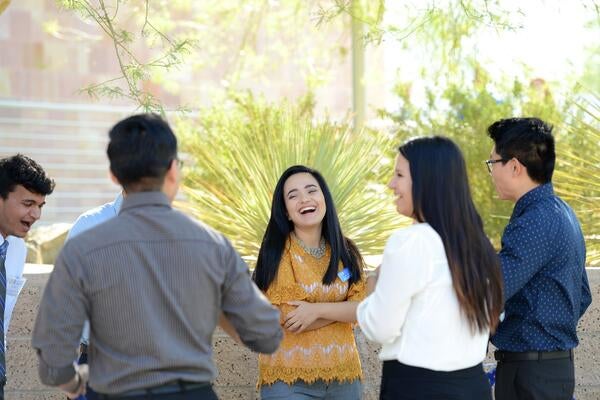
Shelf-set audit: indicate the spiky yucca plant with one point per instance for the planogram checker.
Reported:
(241, 148)
(578, 170)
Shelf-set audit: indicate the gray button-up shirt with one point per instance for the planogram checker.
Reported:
(152, 283)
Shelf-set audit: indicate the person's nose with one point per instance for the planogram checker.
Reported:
(35, 213)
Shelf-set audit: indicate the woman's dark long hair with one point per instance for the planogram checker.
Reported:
(442, 198)
(279, 228)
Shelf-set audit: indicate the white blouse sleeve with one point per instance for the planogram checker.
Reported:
(405, 270)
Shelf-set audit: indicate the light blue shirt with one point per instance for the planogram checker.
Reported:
(95, 216)
(86, 221)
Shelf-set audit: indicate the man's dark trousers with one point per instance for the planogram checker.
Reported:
(552, 379)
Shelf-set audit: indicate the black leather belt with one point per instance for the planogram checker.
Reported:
(168, 388)
(507, 356)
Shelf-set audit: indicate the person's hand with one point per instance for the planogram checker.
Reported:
(229, 328)
(372, 278)
(76, 386)
(301, 317)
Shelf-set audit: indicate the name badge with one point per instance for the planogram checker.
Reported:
(344, 274)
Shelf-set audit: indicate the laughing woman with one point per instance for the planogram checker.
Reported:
(308, 269)
(439, 291)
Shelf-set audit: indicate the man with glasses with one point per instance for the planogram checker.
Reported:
(543, 263)
(152, 282)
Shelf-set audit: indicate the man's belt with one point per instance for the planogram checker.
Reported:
(507, 356)
(168, 388)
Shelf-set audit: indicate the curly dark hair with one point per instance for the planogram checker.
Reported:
(22, 170)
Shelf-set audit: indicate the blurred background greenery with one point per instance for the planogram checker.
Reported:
(238, 150)
(238, 143)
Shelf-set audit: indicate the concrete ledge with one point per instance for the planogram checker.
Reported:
(238, 366)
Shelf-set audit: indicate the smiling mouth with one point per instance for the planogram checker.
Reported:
(307, 210)
(27, 224)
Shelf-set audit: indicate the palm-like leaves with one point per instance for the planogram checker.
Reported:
(242, 149)
(578, 171)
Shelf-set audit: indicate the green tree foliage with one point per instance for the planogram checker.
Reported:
(228, 44)
(241, 144)
(465, 109)
(442, 24)
(461, 100)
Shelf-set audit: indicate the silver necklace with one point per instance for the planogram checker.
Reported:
(316, 252)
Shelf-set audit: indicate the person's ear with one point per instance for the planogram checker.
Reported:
(518, 168)
(172, 172)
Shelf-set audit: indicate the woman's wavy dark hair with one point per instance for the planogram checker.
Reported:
(280, 227)
(442, 198)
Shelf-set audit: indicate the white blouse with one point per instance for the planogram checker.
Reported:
(414, 312)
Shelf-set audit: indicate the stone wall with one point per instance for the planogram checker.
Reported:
(237, 366)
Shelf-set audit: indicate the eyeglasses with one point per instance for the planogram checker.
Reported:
(489, 163)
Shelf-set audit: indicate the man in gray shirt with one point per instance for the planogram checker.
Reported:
(152, 282)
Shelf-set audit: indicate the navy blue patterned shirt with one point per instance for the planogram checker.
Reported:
(546, 288)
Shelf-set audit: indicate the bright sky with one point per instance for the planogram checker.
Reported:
(552, 43)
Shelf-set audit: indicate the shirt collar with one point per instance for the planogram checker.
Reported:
(141, 199)
(118, 202)
(533, 196)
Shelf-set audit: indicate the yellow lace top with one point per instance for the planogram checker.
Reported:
(328, 353)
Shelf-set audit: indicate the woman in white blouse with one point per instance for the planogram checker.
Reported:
(439, 290)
